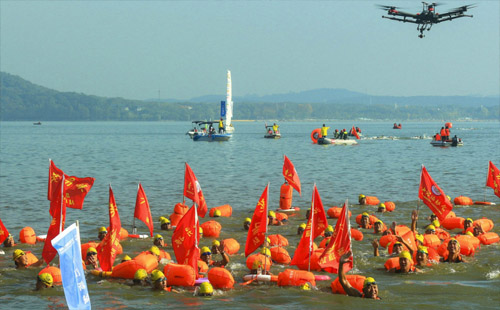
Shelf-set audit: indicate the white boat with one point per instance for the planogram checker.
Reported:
(336, 141)
(227, 106)
(442, 143)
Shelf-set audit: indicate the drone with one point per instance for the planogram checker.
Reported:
(427, 17)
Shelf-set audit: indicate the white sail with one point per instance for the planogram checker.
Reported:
(229, 104)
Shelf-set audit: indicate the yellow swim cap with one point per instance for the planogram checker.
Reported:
(469, 233)
(382, 205)
(46, 278)
(431, 227)
(306, 286)
(380, 221)
(365, 214)
(420, 238)
(266, 252)
(17, 253)
(303, 225)
(126, 258)
(200, 230)
(405, 254)
(369, 281)
(156, 275)
(206, 288)
(161, 218)
(469, 220)
(205, 251)
(140, 274)
(91, 250)
(268, 240)
(436, 223)
(217, 213)
(361, 196)
(164, 221)
(449, 198)
(455, 241)
(155, 250)
(158, 237)
(329, 228)
(272, 214)
(216, 243)
(247, 220)
(103, 229)
(422, 249)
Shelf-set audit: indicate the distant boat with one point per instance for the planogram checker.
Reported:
(271, 134)
(226, 109)
(205, 131)
(37, 123)
(396, 126)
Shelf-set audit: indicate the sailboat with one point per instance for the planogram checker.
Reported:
(226, 109)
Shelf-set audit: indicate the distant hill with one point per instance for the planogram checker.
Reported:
(23, 100)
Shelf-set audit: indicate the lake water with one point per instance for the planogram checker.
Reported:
(386, 163)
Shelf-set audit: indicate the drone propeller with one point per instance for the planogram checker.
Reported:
(465, 8)
(387, 7)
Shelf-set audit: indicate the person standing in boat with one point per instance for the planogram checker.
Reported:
(275, 128)
(221, 126)
(324, 131)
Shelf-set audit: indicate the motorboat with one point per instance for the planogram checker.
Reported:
(447, 143)
(271, 133)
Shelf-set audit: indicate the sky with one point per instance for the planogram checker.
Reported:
(182, 49)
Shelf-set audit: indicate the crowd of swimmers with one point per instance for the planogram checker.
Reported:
(404, 257)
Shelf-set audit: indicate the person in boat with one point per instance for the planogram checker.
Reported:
(221, 126)
(102, 233)
(358, 129)
(275, 128)
(324, 131)
(336, 134)
(246, 223)
(454, 141)
(206, 256)
(43, 281)
(370, 288)
(9, 241)
(447, 130)
(443, 134)
(301, 228)
(437, 137)
(454, 255)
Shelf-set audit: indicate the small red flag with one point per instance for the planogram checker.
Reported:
(58, 212)
(192, 190)
(316, 224)
(433, 196)
(258, 227)
(142, 210)
(291, 175)
(107, 249)
(354, 132)
(493, 179)
(75, 190)
(185, 239)
(55, 177)
(4, 233)
(340, 243)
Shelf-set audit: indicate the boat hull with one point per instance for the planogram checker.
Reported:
(272, 136)
(211, 138)
(326, 141)
(445, 143)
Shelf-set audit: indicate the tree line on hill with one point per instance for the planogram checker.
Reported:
(21, 100)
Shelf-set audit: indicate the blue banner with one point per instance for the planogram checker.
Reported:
(67, 244)
(222, 108)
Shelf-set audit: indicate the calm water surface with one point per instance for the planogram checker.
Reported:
(386, 163)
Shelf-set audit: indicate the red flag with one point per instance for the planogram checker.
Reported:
(291, 175)
(75, 190)
(340, 243)
(142, 210)
(433, 196)
(106, 250)
(185, 239)
(354, 132)
(316, 224)
(58, 212)
(192, 190)
(4, 233)
(258, 227)
(493, 179)
(55, 177)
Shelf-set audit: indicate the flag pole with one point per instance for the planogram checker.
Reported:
(311, 217)
(134, 229)
(62, 204)
(265, 234)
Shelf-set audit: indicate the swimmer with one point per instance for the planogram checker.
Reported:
(272, 220)
(365, 221)
(159, 282)
(22, 261)
(217, 213)
(301, 228)
(370, 288)
(126, 258)
(378, 227)
(102, 233)
(158, 241)
(381, 208)
(141, 278)
(246, 223)
(156, 252)
(9, 242)
(467, 224)
(165, 224)
(258, 265)
(206, 256)
(405, 264)
(204, 290)
(91, 258)
(329, 231)
(44, 281)
(362, 199)
(454, 255)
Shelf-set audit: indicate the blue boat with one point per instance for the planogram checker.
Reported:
(211, 137)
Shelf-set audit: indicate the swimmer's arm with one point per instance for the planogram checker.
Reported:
(400, 239)
(414, 218)
(375, 247)
(351, 291)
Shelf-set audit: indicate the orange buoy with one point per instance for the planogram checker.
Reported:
(31, 258)
(179, 275)
(356, 281)
(278, 240)
(54, 272)
(280, 255)
(386, 239)
(85, 246)
(123, 233)
(449, 125)
(180, 208)
(391, 263)
(211, 229)
(356, 234)
(453, 223)
(231, 246)
(463, 201)
(486, 224)
(147, 260)
(126, 270)
(432, 241)
(466, 248)
(315, 135)
(175, 218)
(442, 234)
(265, 261)
(315, 255)
(334, 212)
(202, 266)
(474, 242)
(220, 278)
(372, 201)
(292, 277)
(286, 196)
(27, 235)
(281, 216)
(225, 211)
(489, 238)
(389, 206)
(165, 255)
(451, 214)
